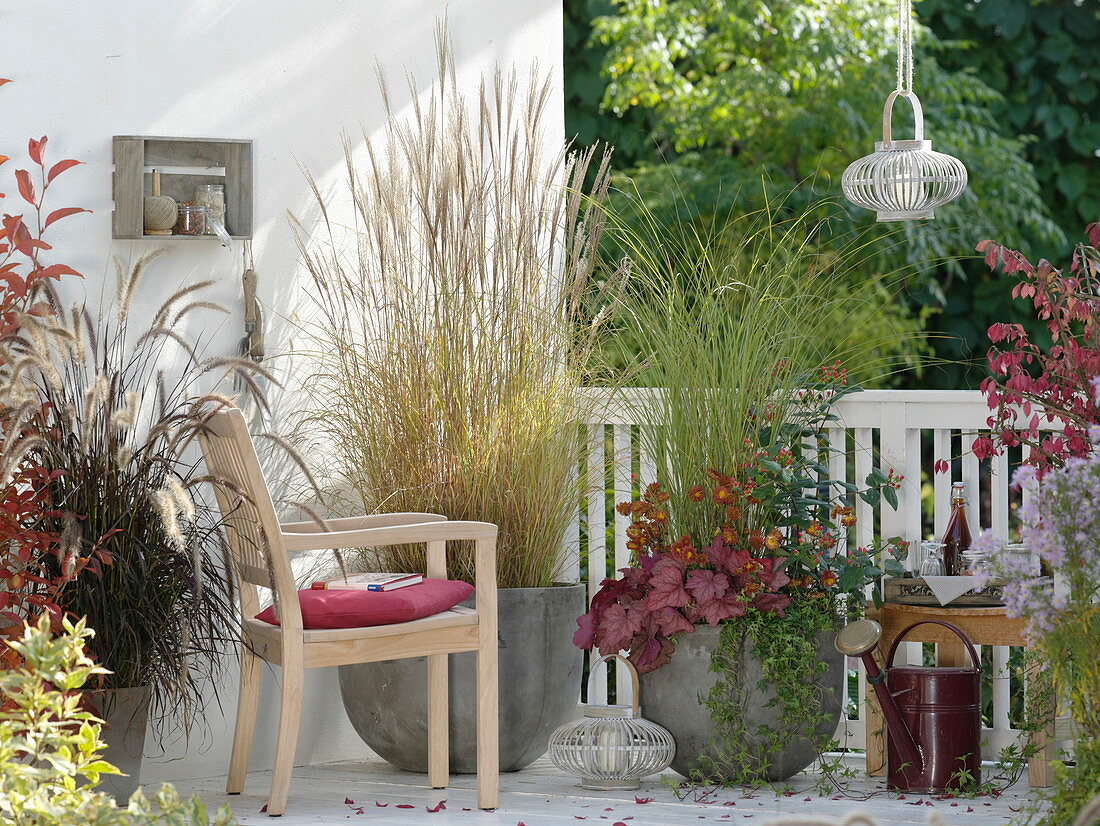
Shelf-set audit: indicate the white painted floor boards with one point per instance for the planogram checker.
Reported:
(541, 796)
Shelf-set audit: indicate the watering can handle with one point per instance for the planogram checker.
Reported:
(965, 641)
(629, 666)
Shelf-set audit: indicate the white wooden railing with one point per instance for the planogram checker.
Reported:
(908, 431)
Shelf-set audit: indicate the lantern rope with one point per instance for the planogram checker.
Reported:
(905, 46)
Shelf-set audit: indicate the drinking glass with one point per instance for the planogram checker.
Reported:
(931, 559)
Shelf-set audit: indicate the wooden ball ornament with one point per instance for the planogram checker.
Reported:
(160, 210)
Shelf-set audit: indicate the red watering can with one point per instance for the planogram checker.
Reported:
(934, 714)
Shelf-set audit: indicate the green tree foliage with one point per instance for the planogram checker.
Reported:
(736, 92)
(1044, 59)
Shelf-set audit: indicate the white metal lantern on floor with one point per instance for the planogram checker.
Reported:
(612, 747)
(904, 180)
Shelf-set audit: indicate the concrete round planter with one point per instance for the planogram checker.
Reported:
(673, 695)
(125, 715)
(540, 678)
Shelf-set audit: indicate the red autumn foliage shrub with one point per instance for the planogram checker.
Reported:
(1030, 386)
(26, 588)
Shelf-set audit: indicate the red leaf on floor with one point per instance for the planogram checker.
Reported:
(381, 805)
(467, 810)
(729, 803)
(609, 809)
(360, 811)
(805, 800)
(1014, 810)
(901, 797)
(264, 809)
(954, 804)
(405, 806)
(579, 817)
(970, 808)
(618, 823)
(349, 801)
(640, 800)
(438, 807)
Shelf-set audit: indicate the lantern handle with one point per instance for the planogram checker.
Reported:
(888, 114)
(633, 677)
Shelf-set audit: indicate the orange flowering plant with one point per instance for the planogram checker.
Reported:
(776, 532)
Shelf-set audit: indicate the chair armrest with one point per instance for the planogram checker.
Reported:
(354, 523)
(394, 535)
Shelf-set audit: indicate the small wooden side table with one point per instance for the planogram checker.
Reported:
(984, 626)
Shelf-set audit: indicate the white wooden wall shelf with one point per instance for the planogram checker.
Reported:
(185, 163)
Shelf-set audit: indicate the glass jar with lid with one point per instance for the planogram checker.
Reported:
(191, 219)
(211, 196)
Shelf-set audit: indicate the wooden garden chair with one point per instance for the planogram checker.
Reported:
(259, 545)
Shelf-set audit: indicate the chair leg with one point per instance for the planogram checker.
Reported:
(290, 712)
(248, 701)
(488, 762)
(438, 721)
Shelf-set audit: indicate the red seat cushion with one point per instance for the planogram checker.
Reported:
(361, 609)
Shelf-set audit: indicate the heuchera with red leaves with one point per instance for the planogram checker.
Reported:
(24, 505)
(1029, 386)
(768, 548)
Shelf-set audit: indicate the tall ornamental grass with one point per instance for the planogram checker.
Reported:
(109, 410)
(449, 344)
(731, 320)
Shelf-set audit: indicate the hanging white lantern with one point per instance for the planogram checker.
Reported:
(904, 180)
(612, 746)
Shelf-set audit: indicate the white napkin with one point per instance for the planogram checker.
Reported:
(949, 588)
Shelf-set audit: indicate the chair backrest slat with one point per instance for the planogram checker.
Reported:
(251, 524)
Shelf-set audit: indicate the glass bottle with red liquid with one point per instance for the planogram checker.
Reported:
(956, 538)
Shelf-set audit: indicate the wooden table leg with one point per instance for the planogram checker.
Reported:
(1039, 697)
(875, 728)
(876, 736)
(952, 655)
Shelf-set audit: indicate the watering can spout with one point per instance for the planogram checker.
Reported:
(859, 639)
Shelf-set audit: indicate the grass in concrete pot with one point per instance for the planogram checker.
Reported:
(115, 410)
(741, 562)
(449, 358)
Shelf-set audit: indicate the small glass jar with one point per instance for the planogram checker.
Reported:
(211, 196)
(1019, 558)
(191, 219)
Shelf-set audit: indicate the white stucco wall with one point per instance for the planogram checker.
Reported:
(289, 75)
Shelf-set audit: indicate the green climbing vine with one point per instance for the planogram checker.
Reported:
(787, 650)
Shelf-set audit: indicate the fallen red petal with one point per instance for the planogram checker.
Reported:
(381, 805)
(641, 800)
(405, 806)
(264, 809)
(349, 801)
(439, 807)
